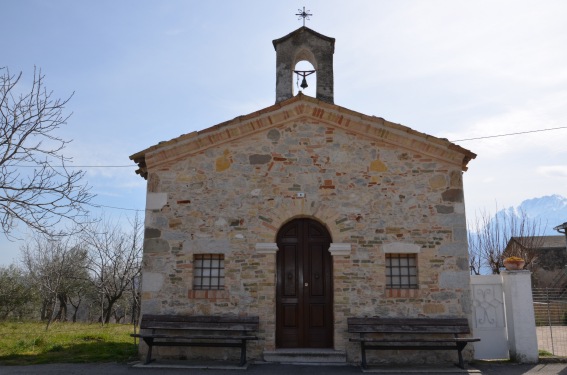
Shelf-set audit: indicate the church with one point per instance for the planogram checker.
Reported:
(305, 213)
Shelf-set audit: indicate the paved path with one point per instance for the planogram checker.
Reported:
(272, 369)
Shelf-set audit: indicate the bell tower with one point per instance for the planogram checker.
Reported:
(304, 44)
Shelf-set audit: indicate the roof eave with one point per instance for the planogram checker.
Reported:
(140, 157)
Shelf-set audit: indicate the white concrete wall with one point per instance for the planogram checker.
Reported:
(503, 317)
(522, 335)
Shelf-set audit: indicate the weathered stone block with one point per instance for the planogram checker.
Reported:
(152, 281)
(274, 135)
(223, 162)
(441, 209)
(378, 166)
(453, 195)
(152, 233)
(454, 280)
(156, 245)
(433, 308)
(259, 159)
(207, 246)
(438, 181)
(453, 248)
(155, 201)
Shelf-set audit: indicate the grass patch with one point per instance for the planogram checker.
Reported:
(29, 343)
(544, 353)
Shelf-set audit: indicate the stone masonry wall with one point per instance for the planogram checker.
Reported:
(227, 198)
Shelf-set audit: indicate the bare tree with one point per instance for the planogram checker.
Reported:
(114, 260)
(54, 266)
(36, 187)
(494, 238)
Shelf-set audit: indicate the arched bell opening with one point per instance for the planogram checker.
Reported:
(305, 78)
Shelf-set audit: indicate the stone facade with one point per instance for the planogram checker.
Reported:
(378, 188)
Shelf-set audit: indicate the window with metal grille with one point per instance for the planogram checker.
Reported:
(208, 272)
(401, 271)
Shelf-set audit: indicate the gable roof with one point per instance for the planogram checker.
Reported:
(301, 30)
(293, 109)
(543, 242)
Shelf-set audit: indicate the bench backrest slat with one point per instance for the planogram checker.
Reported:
(204, 323)
(410, 325)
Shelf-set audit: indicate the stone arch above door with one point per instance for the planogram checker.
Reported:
(271, 221)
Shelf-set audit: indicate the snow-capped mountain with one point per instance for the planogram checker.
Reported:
(550, 211)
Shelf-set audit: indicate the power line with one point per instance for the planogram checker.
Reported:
(509, 134)
(115, 208)
(77, 166)
(101, 166)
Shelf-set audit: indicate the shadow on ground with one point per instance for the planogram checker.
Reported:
(94, 351)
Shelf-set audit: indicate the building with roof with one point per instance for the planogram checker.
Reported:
(305, 213)
(546, 259)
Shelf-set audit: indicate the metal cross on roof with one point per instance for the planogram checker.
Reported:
(303, 14)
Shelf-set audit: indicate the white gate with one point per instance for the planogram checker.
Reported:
(488, 315)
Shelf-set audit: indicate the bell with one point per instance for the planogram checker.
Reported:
(304, 83)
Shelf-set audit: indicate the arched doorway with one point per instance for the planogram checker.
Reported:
(304, 295)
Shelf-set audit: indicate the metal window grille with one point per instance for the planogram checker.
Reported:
(208, 272)
(401, 271)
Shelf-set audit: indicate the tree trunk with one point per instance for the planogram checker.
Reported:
(46, 310)
(76, 307)
(108, 310)
(62, 312)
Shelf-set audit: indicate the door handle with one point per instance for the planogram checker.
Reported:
(306, 284)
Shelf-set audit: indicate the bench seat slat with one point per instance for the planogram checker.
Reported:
(199, 319)
(202, 344)
(408, 329)
(411, 325)
(185, 322)
(413, 347)
(203, 327)
(453, 340)
(411, 321)
(196, 337)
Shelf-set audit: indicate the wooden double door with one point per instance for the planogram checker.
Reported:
(304, 295)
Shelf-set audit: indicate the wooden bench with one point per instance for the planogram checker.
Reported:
(205, 331)
(410, 334)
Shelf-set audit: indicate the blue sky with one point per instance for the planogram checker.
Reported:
(146, 71)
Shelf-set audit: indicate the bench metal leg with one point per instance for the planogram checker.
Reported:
(243, 353)
(363, 354)
(150, 342)
(460, 347)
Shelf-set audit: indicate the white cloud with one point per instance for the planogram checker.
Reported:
(553, 171)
